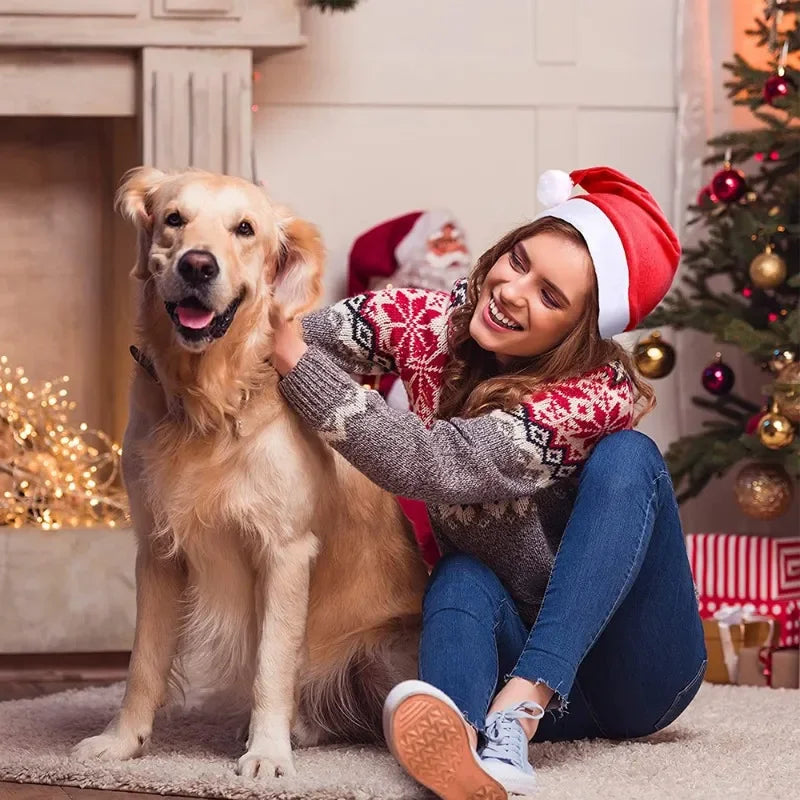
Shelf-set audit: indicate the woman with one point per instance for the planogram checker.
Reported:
(563, 579)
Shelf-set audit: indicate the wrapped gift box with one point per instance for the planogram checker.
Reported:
(760, 666)
(732, 570)
(786, 614)
(725, 642)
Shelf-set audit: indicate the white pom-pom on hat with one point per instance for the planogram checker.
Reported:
(554, 187)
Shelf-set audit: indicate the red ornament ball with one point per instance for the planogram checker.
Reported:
(776, 87)
(752, 424)
(706, 196)
(718, 378)
(773, 317)
(729, 185)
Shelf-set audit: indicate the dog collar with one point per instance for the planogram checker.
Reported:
(174, 404)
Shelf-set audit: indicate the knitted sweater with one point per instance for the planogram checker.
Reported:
(499, 486)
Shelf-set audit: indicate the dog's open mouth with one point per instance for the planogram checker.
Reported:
(196, 322)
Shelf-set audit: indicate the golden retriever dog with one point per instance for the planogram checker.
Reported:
(289, 581)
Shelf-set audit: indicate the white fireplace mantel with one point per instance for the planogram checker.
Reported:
(169, 83)
(183, 68)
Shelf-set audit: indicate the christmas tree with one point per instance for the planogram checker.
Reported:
(750, 236)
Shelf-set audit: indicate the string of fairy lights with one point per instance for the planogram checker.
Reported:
(54, 474)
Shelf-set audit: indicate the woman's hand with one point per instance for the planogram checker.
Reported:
(287, 344)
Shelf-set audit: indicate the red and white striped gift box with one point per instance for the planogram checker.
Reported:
(738, 569)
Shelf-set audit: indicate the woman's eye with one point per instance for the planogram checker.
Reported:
(549, 300)
(245, 229)
(174, 220)
(514, 260)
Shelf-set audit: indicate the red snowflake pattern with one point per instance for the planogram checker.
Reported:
(564, 423)
(411, 327)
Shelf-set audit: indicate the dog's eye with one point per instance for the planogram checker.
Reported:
(245, 229)
(174, 220)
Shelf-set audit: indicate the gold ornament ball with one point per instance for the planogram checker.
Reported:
(654, 357)
(780, 358)
(774, 430)
(767, 270)
(763, 491)
(787, 391)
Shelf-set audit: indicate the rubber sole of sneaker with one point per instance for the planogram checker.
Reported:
(511, 778)
(431, 742)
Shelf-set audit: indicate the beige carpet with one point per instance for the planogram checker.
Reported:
(731, 743)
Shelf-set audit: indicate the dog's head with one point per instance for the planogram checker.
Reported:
(213, 245)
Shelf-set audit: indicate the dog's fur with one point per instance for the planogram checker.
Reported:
(265, 560)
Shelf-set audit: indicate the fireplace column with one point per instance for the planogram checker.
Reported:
(196, 109)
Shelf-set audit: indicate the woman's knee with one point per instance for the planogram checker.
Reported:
(460, 580)
(647, 722)
(623, 459)
(640, 705)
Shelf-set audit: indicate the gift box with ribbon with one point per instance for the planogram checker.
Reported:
(732, 571)
(728, 632)
(765, 666)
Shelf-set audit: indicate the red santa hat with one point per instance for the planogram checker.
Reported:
(401, 251)
(634, 249)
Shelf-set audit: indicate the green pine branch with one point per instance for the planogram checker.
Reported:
(694, 461)
(746, 86)
(788, 457)
(761, 31)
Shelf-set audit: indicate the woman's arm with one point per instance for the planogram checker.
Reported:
(497, 456)
(365, 334)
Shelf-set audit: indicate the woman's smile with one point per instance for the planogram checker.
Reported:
(497, 320)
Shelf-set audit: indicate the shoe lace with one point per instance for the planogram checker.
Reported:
(505, 738)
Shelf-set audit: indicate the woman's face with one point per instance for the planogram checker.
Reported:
(532, 297)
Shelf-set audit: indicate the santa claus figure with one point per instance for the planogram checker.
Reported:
(424, 249)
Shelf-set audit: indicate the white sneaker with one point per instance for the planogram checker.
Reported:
(505, 755)
(428, 736)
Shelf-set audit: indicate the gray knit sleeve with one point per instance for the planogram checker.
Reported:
(497, 456)
(336, 331)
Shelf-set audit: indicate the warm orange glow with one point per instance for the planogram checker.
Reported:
(744, 12)
(743, 15)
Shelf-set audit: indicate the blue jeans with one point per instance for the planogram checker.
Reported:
(618, 635)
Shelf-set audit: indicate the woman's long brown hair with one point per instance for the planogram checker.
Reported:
(475, 383)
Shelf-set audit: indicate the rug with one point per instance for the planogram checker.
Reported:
(732, 742)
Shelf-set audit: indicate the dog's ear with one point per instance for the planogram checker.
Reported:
(301, 256)
(133, 201)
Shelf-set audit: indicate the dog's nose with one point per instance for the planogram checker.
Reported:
(197, 267)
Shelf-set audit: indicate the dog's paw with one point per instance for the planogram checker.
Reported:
(108, 747)
(266, 762)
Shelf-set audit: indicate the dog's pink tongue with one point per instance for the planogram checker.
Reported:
(194, 317)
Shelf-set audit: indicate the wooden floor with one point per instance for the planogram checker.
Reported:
(33, 676)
